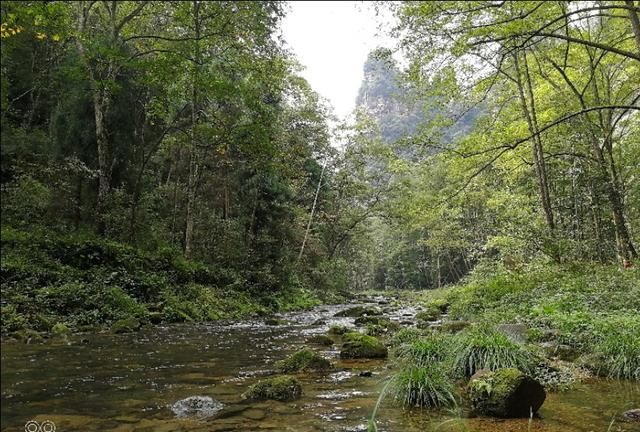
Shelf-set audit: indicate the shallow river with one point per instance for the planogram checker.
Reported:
(128, 382)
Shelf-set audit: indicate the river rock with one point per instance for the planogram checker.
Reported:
(305, 360)
(632, 415)
(320, 340)
(275, 321)
(358, 345)
(515, 332)
(283, 388)
(196, 407)
(125, 325)
(254, 414)
(560, 351)
(506, 393)
(358, 311)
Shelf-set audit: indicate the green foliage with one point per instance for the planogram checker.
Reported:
(481, 347)
(83, 280)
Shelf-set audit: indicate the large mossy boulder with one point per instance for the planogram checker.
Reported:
(305, 360)
(358, 311)
(282, 388)
(357, 346)
(506, 393)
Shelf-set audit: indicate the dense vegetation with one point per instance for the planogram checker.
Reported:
(160, 156)
(164, 161)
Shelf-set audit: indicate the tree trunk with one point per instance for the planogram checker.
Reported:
(313, 209)
(528, 110)
(635, 22)
(193, 157)
(100, 104)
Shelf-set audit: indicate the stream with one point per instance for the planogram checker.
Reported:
(127, 382)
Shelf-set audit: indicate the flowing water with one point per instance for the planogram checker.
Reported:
(127, 382)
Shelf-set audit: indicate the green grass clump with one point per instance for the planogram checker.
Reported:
(618, 348)
(425, 386)
(486, 348)
(429, 349)
(406, 335)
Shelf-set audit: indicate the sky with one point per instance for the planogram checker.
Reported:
(331, 39)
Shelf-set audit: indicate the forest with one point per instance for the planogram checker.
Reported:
(168, 176)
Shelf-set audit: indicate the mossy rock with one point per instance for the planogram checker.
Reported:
(428, 315)
(506, 393)
(320, 340)
(366, 319)
(275, 321)
(358, 311)
(338, 330)
(282, 388)
(126, 325)
(357, 345)
(304, 360)
(155, 317)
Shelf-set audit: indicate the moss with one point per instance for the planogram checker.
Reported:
(506, 393)
(275, 321)
(364, 320)
(320, 340)
(338, 330)
(125, 325)
(281, 388)
(357, 345)
(428, 315)
(60, 329)
(304, 360)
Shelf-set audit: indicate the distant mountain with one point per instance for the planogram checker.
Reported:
(398, 112)
(383, 98)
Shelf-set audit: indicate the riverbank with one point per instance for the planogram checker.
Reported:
(586, 315)
(54, 283)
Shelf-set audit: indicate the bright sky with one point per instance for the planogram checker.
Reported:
(331, 39)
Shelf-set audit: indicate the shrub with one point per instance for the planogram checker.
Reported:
(486, 348)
